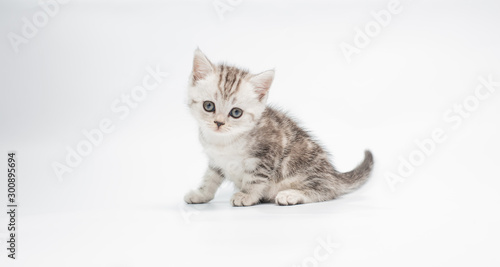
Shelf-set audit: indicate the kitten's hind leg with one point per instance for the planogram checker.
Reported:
(292, 197)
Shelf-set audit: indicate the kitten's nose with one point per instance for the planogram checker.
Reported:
(219, 124)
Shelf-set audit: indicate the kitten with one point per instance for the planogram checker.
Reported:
(263, 152)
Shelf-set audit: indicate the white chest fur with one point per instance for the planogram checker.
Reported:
(231, 158)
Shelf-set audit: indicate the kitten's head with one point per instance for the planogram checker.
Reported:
(226, 100)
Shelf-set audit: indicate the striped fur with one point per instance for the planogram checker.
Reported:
(267, 156)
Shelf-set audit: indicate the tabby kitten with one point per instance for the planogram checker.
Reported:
(263, 152)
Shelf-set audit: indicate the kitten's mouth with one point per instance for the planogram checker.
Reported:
(219, 130)
(216, 130)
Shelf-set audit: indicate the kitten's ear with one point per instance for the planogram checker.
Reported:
(262, 82)
(201, 66)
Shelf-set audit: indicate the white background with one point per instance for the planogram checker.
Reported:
(123, 205)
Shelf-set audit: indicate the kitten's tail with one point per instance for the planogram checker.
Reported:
(357, 177)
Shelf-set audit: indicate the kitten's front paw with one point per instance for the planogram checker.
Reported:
(289, 197)
(196, 197)
(242, 199)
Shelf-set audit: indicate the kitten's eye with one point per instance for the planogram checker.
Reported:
(236, 113)
(209, 106)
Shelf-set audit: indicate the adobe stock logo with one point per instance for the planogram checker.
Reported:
(121, 107)
(428, 146)
(322, 251)
(372, 29)
(224, 6)
(30, 27)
